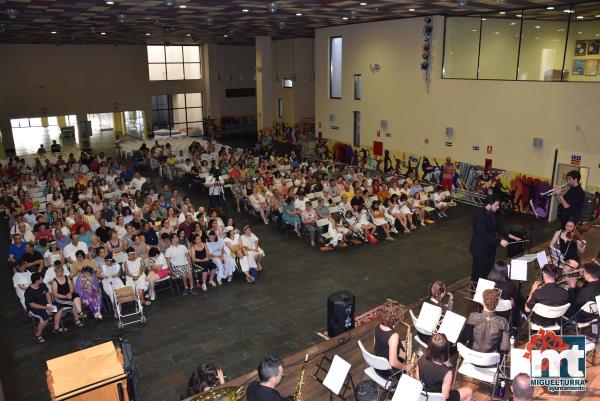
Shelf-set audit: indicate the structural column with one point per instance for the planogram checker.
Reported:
(84, 131)
(264, 82)
(8, 141)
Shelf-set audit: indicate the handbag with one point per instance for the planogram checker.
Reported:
(371, 238)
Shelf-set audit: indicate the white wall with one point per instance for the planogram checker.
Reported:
(506, 115)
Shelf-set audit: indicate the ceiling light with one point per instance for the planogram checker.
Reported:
(519, 16)
(484, 19)
(225, 36)
(537, 27)
(513, 23)
(102, 33)
(169, 3)
(188, 34)
(183, 6)
(53, 32)
(579, 33)
(12, 13)
(353, 14)
(549, 8)
(597, 16)
(474, 30)
(121, 18)
(569, 11)
(92, 29)
(245, 10)
(147, 34)
(502, 12)
(110, 3)
(461, 3)
(344, 18)
(2, 28)
(411, 9)
(580, 17)
(298, 14)
(272, 7)
(281, 24)
(363, 3)
(210, 21)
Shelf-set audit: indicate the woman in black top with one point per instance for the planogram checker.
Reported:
(499, 275)
(387, 342)
(567, 239)
(435, 375)
(64, 294)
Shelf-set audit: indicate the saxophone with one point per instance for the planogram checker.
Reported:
(298, 393)
(411, 357)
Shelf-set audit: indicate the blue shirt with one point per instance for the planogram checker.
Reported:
(64, 241)
(17, 250)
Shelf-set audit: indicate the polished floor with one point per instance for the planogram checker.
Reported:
(235, 325)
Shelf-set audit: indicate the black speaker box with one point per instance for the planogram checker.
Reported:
(340, 312)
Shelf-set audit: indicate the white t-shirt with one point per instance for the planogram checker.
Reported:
(21, 278)
(178, 255)
(300, 204)
(51, 274)
(249, 241)
(70, 250)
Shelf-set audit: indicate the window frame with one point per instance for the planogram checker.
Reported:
(182, 63)
(331, 39)
(157, 107)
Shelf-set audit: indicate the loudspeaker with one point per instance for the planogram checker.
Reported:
(515, 249)
(589, 206)
(340, 312)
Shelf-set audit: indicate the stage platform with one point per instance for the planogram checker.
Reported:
(346, 346)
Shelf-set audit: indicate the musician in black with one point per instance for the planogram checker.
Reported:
(548, 293)
(270, 372)
(484, 242)
(579, 296)
(572, 201)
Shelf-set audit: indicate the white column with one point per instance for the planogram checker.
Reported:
(264, 82)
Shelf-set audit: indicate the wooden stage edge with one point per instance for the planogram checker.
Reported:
(346, 346)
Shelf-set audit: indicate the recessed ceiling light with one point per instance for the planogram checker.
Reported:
(597, 16)
(225, 36)
(502, 12)
(183, 6)
(363, 3)
(298, 14)
(569, 11)
(513, 23)
(497, 33)
(245, 10)
(474, 30)
(484, 19)
(537, 27)
(344, 18)
(411, 9)
(580, 17)
(147, 34)
(549, 8)
(188, 34)
(53, 32)
(102, 33)
(518, 15)
(110, 3)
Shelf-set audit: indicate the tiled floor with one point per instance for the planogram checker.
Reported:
(236, 325)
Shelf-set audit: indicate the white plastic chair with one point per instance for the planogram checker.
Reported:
(421, 331)
(548, 312)
(479, 366)
(376, 362)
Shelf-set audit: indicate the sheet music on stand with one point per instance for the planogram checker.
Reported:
(518, 269)
(482, 285)
(336, 376)
(408, 389)
(429, 317)
(542, 258)
(556, 255)
(452, 326)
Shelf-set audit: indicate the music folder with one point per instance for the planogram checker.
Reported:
(429, 317)
(452, 326)
(408, 389)
(518, 269)
(482, 285)
(337, 374)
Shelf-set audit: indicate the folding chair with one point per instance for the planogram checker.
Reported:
(548, 312)
(590, 308)
(379, 363)
(479, 366)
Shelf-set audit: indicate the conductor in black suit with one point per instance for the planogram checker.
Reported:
(487, 235)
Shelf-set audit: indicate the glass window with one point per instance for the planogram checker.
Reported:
(192, 71)
(191, 54)
(193, 99)
(14, 123)
(174, 72)
(335, 67)
(157, 72)
(499, 48)
(543, 41)
(174, 54)
(179, 115)
(178, 100)
(582, 61)
(156, 54)
(357, 87)
(52, 121)
(194, 114)
(461, 50)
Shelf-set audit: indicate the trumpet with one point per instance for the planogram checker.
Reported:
(577, 273)
(554, 190)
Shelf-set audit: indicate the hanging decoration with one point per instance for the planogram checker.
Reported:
(426, 53)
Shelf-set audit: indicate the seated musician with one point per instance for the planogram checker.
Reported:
(569, 241)
(491, 333)
(434, 372)
(438, 296)
(204, 378)
(387, 342)
(270, 372)
(579, 296)
(499, 275)
(548, 293)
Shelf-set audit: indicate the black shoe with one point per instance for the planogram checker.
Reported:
(191, 291)
(185, 292)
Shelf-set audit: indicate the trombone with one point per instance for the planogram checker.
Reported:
(554, 190)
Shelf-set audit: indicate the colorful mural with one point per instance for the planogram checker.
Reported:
(518, 190)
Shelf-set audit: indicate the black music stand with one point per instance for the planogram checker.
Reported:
(348, 382)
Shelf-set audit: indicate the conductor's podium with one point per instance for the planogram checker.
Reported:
(92, 374)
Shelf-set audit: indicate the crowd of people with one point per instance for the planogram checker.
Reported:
(82, 228)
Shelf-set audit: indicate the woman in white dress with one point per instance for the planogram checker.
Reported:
(233, 249)
(259, 204)
(250, 246)
(216, 252)
(110, 277)
(135, 275)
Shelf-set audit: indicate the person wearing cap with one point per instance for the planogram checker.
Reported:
(486, 230)
(109, 274)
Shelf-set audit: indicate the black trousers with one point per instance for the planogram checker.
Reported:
(482, 264)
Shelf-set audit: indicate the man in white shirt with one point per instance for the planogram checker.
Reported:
(136, 182)
(21, 280)
(74, 246)
(180, 263)
(300, 202)
(26, 234)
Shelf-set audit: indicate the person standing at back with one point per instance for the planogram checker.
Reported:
(572, 201)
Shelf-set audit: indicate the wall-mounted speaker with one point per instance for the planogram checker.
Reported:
(449, 131)
(384, 124)
(332, 118)
(538, 142)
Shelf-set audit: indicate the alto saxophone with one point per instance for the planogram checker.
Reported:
(411, 357)
(298, 393)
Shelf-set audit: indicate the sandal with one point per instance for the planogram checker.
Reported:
(250, 280)
(204, 288)
(60, 330)
(212, 283)
(146, 303)
(79, 323)
(40, 339)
